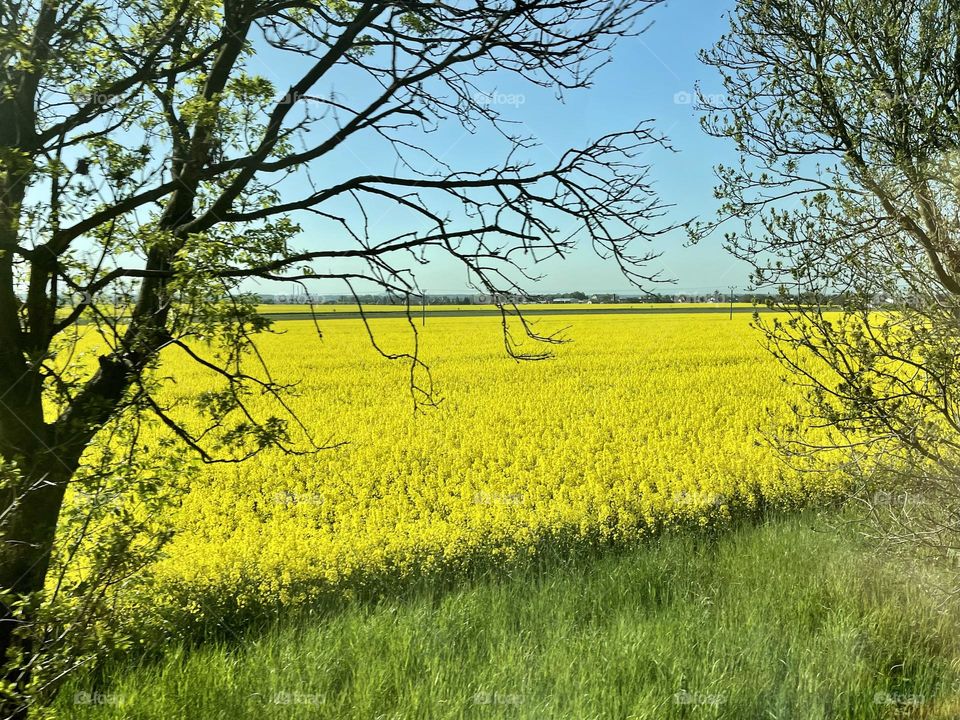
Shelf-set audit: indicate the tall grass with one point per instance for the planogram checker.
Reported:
(785, 619)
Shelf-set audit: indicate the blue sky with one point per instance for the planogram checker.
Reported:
(652, 76)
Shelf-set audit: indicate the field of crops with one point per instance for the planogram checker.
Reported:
(641, 424)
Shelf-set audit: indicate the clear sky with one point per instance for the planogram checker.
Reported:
(654, 76)
(651, 76)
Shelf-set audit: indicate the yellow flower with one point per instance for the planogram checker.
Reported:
(644, 423)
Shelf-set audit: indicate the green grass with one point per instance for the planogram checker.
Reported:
(784, 619)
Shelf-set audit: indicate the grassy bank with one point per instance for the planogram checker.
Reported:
(780, 620)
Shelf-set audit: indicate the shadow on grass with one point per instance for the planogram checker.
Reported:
(235, 627)
(775, 615)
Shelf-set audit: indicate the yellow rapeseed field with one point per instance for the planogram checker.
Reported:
(641, 424)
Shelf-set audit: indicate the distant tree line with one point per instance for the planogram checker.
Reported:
(847, 299)
(717, 296)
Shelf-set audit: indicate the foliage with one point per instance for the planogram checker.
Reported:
(113, 527)
(844, 116)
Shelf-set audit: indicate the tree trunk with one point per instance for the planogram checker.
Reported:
(28, 536)
(36, 473)
(46, 456)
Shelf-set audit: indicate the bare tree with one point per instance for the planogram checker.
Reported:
(845, 115)
(148, 169)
